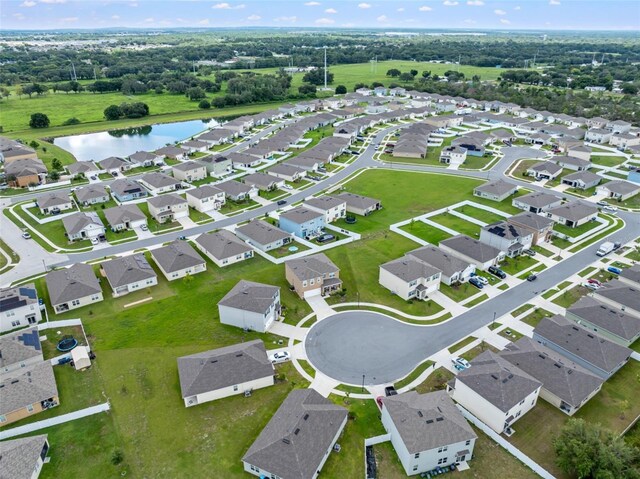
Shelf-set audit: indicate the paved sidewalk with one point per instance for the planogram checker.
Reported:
(447, 303)
(288, 331)
(187, 222)
(320, 307)
(323, 384)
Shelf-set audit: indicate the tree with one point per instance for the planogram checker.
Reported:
(629, 89)
(5, 93)
(406, 77)
(393, 72)
(309, 90)
(54, 175)
(426, 74)
(112, 112)
(39, 120)
(316, 77)
(475, 78)
(341, 90)
(56, 164)
(413, 72)
(195, 93)
(204, 105)
(357, 86)
(588, 451)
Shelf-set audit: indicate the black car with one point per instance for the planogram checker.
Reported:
(476, 282)
(324, 238)
(497, 272)
(532, 277)
(282, 202)
(390, 391)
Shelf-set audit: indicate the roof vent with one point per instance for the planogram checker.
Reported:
(286, 441)
(494, 377)
(429, 421)
(439, 419)
(238, 355)
(420, 413)
(557, 365)
(305, 417)
(296, 431)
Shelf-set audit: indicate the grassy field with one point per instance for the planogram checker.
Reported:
(608, 160)
(413, 375)
(461, 344)
(533, 318)
(479, 214)
(578, 230)
(457, 224)
(426, 232)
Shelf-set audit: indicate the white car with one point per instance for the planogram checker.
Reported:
(144, 227)
(482, 279)
(287, 187)
(610, 209)
(280, 357)
(462, 362)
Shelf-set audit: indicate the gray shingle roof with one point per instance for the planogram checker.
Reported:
(605, 317)
(284, 169)
(602, 353)
(498, 381)
(439, 259)
(574, 211)
(261, 179)
(124, 186)
(409, 268)
(572, 160)
(233, 188)
(112, 162)
(294, 442)
(188, 166)
(262, 232)
(497, 187)
(222, 244)
(12, 298)
(300, 215)
(546, 166)
(250, 296)
(471, 248)
(19, 346)
(632, 274)
(358, 201)
(55, 198)
(127, 270)
(562, 377)
(177, 256)
(531, 220)
(81, 167)
(224, 367)
(123, 213)
(159, 180)
(325, 202)
(90, 192)
(584, 176)
(27, 386)
(621, 293)
(170, 199)
(506, 230)
(619, 187)
(76, 222)
(204, 191)
(538, 199)
(311, 266)
(427, 421)
(18, 457)
(75, 282)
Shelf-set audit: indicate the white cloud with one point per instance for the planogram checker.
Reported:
(312, 4)
(554, 2)
(28, 4)
(449, 3)
(115, 17)
(499, 12)
(325, 21)
(69, 20)
(364, 5)
(204, 22)
(468, 21)
(133, 4)
(228, 6)
(383, 19)
(401, 9)
(254, 17)
(517, 7)
(291, 19)
(475, 3)
(504, 21)
(425, 8)
(149, 20)
(331, 10)
(19, 16)
(53, 1)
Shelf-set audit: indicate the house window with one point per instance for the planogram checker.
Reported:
(235, 388)
(304, 284)
(415, 468)
(442, 460)
(443, 449)
(416, 455)
(149, 281)
(95, 297)
(312, 282)
(75, 302)
(174, 275)
(15, 323)
(30, 407)
(468, 442)
(225, 261)
(11, 313)
(254, 468)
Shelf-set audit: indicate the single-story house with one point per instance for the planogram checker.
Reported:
(19, 307)
(236, 191)
(263, 181)
(619, 189)
(218, 136)
(193, 146)
(223, 248)
(591, 351)
(305, 426)
(73, 287)
(610, 322)
(631, 276)
(114, 164)
(540, 226)
(128, 274)
(572, 163)
(25, 172)
(427, 431)
(287, 172)
(495, 391)
(20, 349)
(224, 372)
(145, 159)
(206, 198)
(581, 180)
(83, 168)
(579, 151)
(409, 278)
(217, 165)
(54, 202)
(263, 235)
(81, 226)
(173, 152)
(313, 275)
(125, 217)
(168, 208)
(23, 458)
(507, 237)
(126, 190)
(621, 295)
(497, 190)
(304, 162)
(247, 160)
(92, 195)
(178, 259)
(544, 170)
(573, 214)
(158, 183)
(479, 254)
(302, 222)
(189, 171)
(250, 306)
(332, 207)
(360, 205)
(453, 269)
(537, 202)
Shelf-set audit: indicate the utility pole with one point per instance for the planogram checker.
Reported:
(325, 67)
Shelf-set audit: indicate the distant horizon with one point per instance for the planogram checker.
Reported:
(482, 15)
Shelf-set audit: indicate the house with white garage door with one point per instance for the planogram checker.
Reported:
(313, 275)
(178, 259)
(125, 217)
(473, 251)
(128, 274)
(79, 226)
(250, 306)
(409, 278)
(206, 198)
(167, 208)
(223, 248)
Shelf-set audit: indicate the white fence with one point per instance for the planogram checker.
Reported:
(47, 186)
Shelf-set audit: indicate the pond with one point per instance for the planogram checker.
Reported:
(122, 143)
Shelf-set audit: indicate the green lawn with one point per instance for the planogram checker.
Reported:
(477, 350)
(54, 231)
(607, 160)
(270, 195)
(568, 297)
(414, 374)
(476, 301)
(520, 170)
(431, 159)
(461, 344)
(578, 230)
(459, 292)
(426, 232)
(232, 206)
(477, 162)
(283, 251)
(480, 214)
(533, 318)
(515, 265)
(307, 367)
(436, 381)
(199, 217)
(587, 271)
(49, 346)
(457, 224)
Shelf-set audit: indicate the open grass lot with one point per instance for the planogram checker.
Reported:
(515, 265)
(272, 194)
(413, 375)
(459, 292)
(461, 344)
(426, 232)
(570, 296)
(232, 206)
(578, 230)
(614, 407)
(608, 160)
(429, 160)
(457, 224)
(477, 162)
(436, 381)
(479, 214)
(520, 170)
(533, 318)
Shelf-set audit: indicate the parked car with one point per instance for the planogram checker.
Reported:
(94, 177)
(280, 357)
(26, 235)
(144, 227)
(458, 367)
(529, 252)
(325, 238)
(462, 362)
(476, 282)
(114, 173)
(602, 203)
(282, 202)
(286, 187)
(610, 208)
(594, 281)
(95, 241)
(482, 279)
(183, 238)
(614, 270)
(591, 286)
(390, 391)
(532, 277)
(497, 272)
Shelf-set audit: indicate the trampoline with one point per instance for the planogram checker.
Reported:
(350, 220)
(66, 344)
(293, 248)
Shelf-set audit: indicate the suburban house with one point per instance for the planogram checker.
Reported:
(622, 141)
(229, 371)
(302, 222)
(589, 350)
(473, 146)
(13, 150)
(250, 158)
(125, 217)
(263, 181)
(631, 276)
(287, 172)
(27, 391)
(82, 226)
(313, 275)
(540, 226)
(145, 159)
(427, 431)
(113, 164)
(620, 295)
(206, 198)
(507, 237)
(497, 190)
(217, 165)
(236, 191)
(331, 207)
(306, 426)
(453, 155)
(609, 322)
(126, 190)
(537, 202)
(619, 190)
(545, 170)
(189, 171)
(263, 235)
(168, 208)
(23, 458)
(73, 287)
(19, 307)
(495, 391)
(579, 151)
(573, 214)
(172, 151)
(54, 202)
(158, 183)
(581, 180)
(20, 349)
(572, 163)
(84, 169)
(223, 248)
(193, 146)
(597, 135)
(25, 172)
(92, 195)
(453, 269)
(409, 278)
(360, 205)
(250, 306)
(479, 254)
(178, 259)
(565, 384)
(128, 274)
(218, 136)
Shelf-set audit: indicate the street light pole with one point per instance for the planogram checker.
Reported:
(493, 323)
(363, 383)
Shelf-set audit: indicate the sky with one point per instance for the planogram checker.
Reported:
(389, 14)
